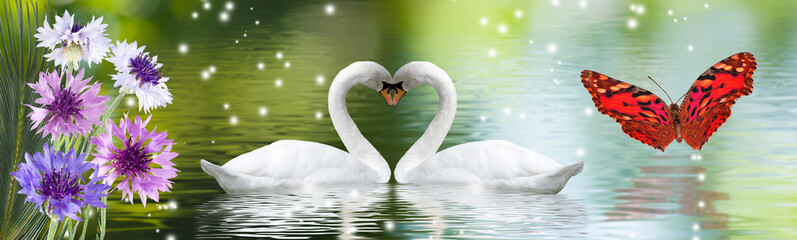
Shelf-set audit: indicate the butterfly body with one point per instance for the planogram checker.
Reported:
(706, 106)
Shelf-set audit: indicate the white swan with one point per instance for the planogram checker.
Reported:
(293, 163)
(494, 163)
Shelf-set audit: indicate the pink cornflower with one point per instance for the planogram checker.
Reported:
(134, 161)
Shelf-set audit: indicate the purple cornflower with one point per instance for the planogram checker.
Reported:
(135, 160)
(69, 110)
(139, 73)
(55, 179)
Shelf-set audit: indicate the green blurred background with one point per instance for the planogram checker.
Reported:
(247, 73)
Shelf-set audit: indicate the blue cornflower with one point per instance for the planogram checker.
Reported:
(54, 181)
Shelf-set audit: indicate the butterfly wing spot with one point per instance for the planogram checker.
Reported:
(601, 90)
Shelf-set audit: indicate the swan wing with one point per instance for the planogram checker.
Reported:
(491, 160)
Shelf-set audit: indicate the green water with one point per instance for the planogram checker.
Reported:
(521, 85)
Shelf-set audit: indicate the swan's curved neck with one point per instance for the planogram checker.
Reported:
(356, 144)
(435, 133)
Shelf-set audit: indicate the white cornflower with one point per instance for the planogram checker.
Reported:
(70, 41)
(139, 73)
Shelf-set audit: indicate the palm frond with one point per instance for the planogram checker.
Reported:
(20, 63)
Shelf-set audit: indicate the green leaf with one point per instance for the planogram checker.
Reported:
(20, 63)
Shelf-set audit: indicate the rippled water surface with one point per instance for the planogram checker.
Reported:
(516, 67)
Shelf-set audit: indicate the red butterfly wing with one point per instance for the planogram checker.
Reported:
(708, 103)
(643, 115)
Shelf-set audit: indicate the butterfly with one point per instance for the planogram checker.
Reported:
(706, 106)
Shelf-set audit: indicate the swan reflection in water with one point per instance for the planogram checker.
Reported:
(391, 210)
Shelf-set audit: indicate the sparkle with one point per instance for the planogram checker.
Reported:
(279, 55)
(492, 53)
(502, 28)
(236, 41)
(705, 5)
(695, 227)
(695, 238)
(319, 79)
(701, 204)
(212, 69)
(329, 9)
(389, 226)
(701, 177)
(552, 48)
(278, 82)
(194, 15)
(226, 106)
(640, 10)
(234, 120)
(205, 75)
(632, 24)
(172, 204)
(588, 111)
(669, 12)
(171, 237)
(582, 4)
(580, 152)
(130, 102)
(559, 63)
(518, 13)
(183, 48)
(224, 16)
(507, 110)
(263, 111)
(318, 115)
(257, 22)
(483, 21)
(244, 34)
(690, 48)
(531, 41)
(522, 116)
(675, 20)
(206, 5)
(287, 64)
(229, 5)
(555, 3)
(483, 118)
(685, 18)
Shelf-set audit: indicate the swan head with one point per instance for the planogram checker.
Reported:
(370, 74)
(415, 74)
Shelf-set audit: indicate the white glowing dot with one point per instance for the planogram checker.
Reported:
(229, 6)
(685, 18)
(695, 238)
(632, 23)
(588, 111)
(483, 21)
(171, 237)
(705, 5)
(257, 22)
(518, 13)
(318, 115)
(212, 69)
(205, 75)
(287, 64)
(261, 65)
(224, 16)
(580, 152)
(244, 34)
(531, 41)
(675, 20)
(633, 7)
(173, 204)
(507, 110)
(279, 55)
(690, 48)
(669, 12)
(492, 53)
(523, 116)
(552, 48)
(234, 120)
(701, 204)
(149, 214)
(319, 79)
(207, 5)
(551, 70)
(226, 106)
(194, 15)
(502, 28)
(329, 9)
(236, 41)
(695, 227)
(555, 3)
(483, 118)
(389, 226)
(701, 177)
(158, 230)
(130, 102)
(251, 8)
(640, 9)
(278, 82)
(582, 4)
(183, 48)
(212, 141)
(263, 111)
(558, 62)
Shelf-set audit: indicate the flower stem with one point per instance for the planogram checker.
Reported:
(53, 228)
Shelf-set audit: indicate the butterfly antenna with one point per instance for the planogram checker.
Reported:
(662, 89)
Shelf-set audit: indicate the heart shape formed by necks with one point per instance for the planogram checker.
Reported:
(397, 92)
